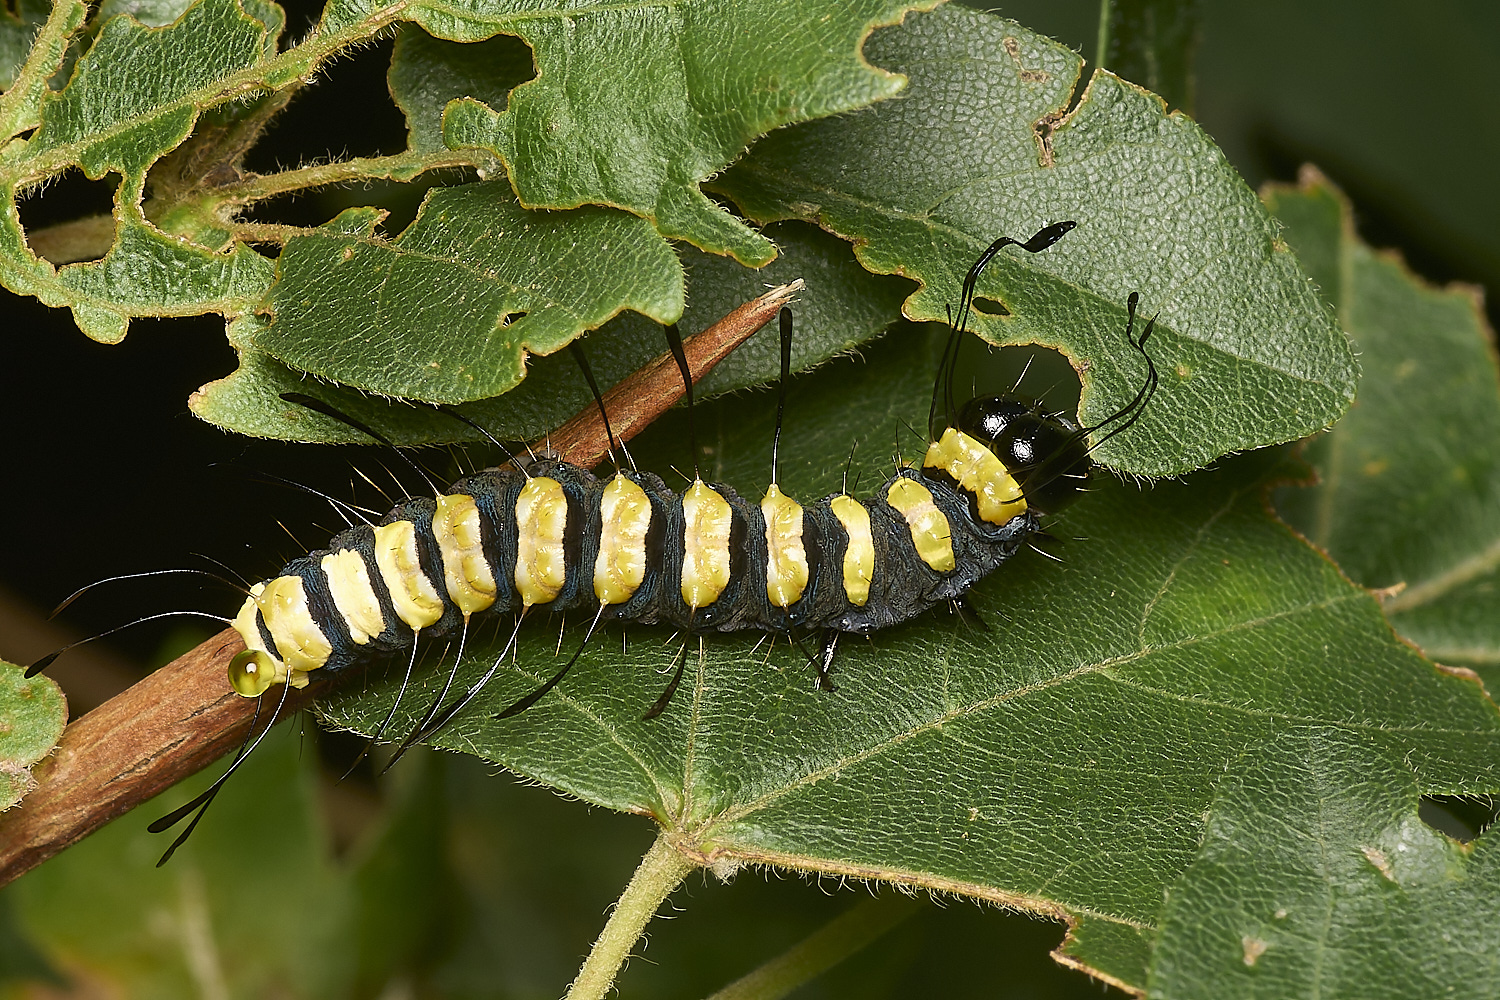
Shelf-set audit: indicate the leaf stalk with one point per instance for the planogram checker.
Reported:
(661, 871)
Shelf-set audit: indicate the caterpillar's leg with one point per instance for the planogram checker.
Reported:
(437, 703)
(969, 615)
(829, 650)
(400, 693)
(535, 696)
(447, 715)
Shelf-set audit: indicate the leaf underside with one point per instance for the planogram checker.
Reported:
(1054, 767)
(33, 712)
(449, 310)
(1248, 354)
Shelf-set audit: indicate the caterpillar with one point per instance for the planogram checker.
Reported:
(544, 534)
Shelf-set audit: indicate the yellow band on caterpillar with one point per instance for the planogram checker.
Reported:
(353, 594)
(624, 520)
(256, 669)
(466, 572)
(859, 554)
(975, 468)
(282, 604)
(929, 526)
(541, 520)
(707, 520)
(786, 556)
(417, 601)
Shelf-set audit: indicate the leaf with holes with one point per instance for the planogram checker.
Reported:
(983, 144)
(33, 713)
(634, 105)
(1067, 760)
(1316, 878)
(447, 311)
(1409, 491)
(134, 95)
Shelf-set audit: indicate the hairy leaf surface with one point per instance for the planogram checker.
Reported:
(843, 306)
(33, 712)
(983, 144)
(1065, 761)
(447, 311)
(635, 104)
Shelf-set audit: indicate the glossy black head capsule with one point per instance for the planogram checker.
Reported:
(1046, 453)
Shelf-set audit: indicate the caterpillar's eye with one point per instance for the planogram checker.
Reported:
(986, 417)
(251, 672)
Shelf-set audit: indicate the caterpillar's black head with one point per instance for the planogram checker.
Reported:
(1046, 453)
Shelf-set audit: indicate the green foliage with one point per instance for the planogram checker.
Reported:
(33, 712)
(1042, 764)
(448, 310)
(1250, 356)
(1198, 740)
(1409, 483)
(474, 256)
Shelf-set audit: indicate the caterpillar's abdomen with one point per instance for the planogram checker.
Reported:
(557, 538)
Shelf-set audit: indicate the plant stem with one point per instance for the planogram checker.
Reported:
(402, 166)
(660, 871)
(1101, 46)
(820, 951)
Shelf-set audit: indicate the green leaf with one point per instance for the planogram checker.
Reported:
(131, 97)
(1249, 356)
(1063, 761)
(426, 73)
(147, 272)
(1409, 491)
(134, 95)
(1316, 878)
(33, 713)
(447, 311)
(634, 105)
(844, 306)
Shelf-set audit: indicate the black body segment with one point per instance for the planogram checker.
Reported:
(901, 586)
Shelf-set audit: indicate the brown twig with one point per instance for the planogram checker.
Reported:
(638, 400)
(184, 717)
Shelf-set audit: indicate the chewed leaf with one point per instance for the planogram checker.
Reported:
(427, 73)
(1249, 355)
(634, 105)
(33, 713)
(1409, 493)
(844, 306)
(1313, 850)
(447, 311)
(132, 95)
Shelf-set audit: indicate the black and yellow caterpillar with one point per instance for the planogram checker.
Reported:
(552, 536)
